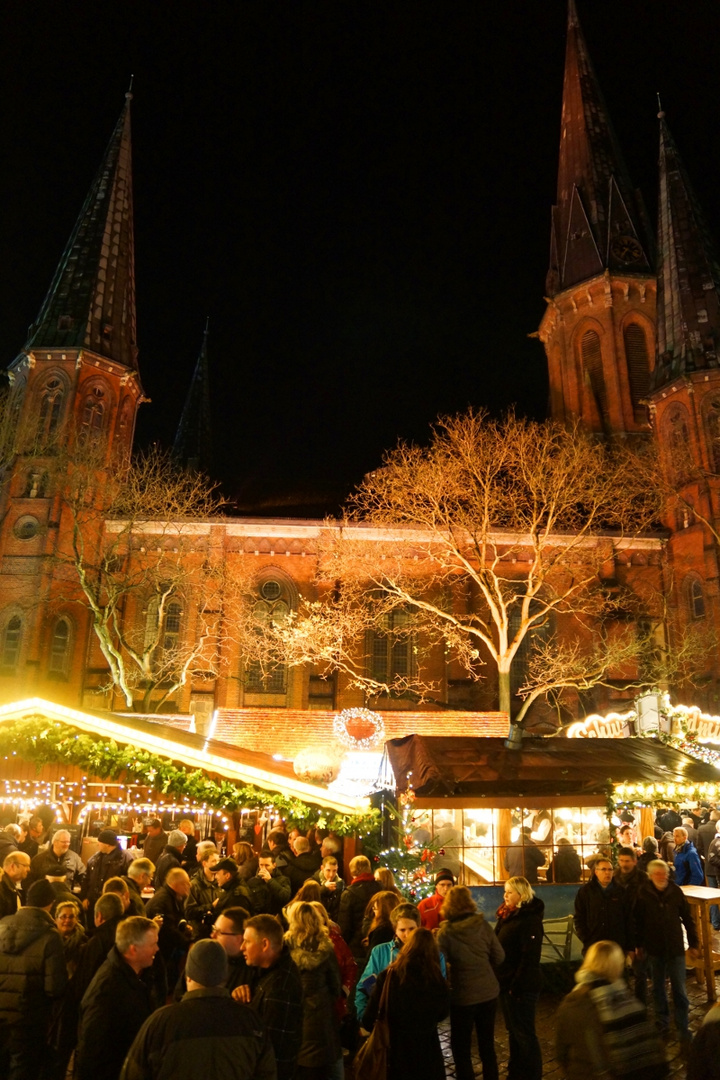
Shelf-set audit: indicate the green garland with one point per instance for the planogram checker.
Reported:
(47, 743)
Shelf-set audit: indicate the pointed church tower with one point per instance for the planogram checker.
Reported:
(75, 383)
(193, 442)
(598, 329)
(685, 394)
(78, 370)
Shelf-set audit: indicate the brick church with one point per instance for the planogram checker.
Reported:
(631, 335)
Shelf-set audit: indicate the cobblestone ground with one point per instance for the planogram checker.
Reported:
(547, 1008)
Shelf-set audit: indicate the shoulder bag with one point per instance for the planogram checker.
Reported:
(372, 1057)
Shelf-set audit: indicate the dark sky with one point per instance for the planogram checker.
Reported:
(358, 195)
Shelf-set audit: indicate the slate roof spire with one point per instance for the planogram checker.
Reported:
(597, 223)
(688, 296)
(193, 442)
(91, 301)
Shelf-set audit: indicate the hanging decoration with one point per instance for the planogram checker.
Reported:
(45, 742)
(359, 729)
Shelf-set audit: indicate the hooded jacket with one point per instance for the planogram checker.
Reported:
(321, 984)
(474, 953)
(32, 967)
(520, 932)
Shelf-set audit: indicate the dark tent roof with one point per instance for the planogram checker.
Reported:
(460, 766)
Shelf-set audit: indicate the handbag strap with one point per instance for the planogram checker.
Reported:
(382, 1005)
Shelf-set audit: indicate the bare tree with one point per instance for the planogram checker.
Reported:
(160, 600)
(496, 534)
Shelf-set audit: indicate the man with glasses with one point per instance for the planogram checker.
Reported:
(602, 911)
(228, 930)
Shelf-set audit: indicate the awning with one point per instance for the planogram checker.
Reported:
(544, 767)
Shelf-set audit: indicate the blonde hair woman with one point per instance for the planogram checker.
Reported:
(519, 930)
(312, 951)
(602, 1029)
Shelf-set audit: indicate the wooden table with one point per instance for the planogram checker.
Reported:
(700, 897)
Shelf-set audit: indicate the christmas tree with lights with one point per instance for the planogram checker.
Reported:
(411, 862)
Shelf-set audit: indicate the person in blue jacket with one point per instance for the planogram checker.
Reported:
(405, 919)
(686, 861)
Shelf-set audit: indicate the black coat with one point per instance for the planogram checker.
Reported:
(415, 1009)
(321, 985)
(603, 915)
(301, 868)
(353, 901)
(172, 938)
(277, 998)
(114, 1008)
(8, 844)
(32, 968)
(520, 933)
(565, 865)
(100, 868)
(170, 858)
(199, 909)
(659, 919)
(9, 897)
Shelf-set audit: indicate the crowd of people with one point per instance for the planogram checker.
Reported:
(175, 960)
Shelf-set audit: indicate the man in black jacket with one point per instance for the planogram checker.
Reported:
(171, 857)
(353, 901)
(32, 976)
(175, 932)
(206, 1034)
(108, 861)
(10, 840)
(661, 911)
(602, 911)
(117, 1003)
(16, 868)
(269, 890)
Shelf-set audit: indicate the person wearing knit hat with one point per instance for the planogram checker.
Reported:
(429, 908)
(207, 964)
(175, 1042)
(32, 976)
(108, 861)
(172, 856)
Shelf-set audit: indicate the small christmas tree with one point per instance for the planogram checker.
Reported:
(410, 862)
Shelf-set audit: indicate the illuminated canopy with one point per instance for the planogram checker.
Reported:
(213, 757)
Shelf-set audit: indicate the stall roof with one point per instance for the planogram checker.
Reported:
(460, 767)
(214, 757)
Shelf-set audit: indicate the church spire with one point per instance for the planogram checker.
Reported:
(91, 301)
(596, 224)
(193, 442)
(688, 298)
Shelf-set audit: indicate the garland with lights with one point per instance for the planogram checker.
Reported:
(363, 718)
(49, 743)
(410, 862)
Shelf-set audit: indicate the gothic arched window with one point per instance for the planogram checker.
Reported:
(51, 402)
(391, 649)
(695, 598)
(272, 607)
(92, 416)
(11, 641)
(163, 632)
(591, 351)
(638, 366)
(60, 649)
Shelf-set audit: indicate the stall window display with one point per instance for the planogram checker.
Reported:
(486, 845)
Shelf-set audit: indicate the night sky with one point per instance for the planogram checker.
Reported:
(358, 195)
